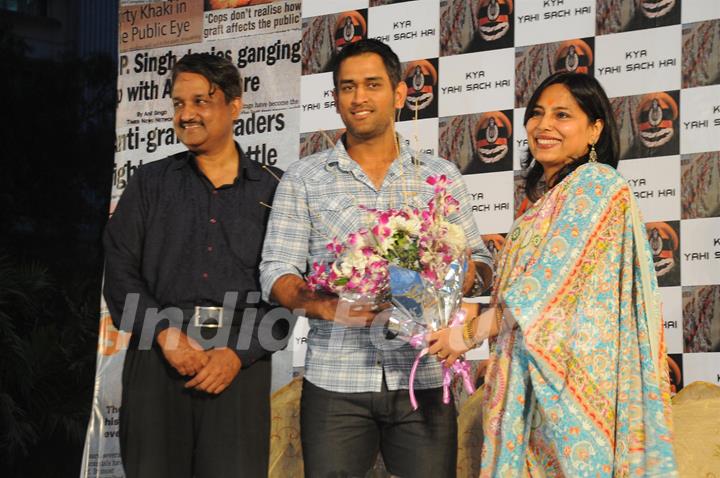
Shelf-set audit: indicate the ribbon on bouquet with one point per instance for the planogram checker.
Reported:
(460, 367)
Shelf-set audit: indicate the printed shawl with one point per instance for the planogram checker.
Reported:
(577, 383)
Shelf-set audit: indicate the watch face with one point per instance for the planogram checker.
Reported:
(478, 285)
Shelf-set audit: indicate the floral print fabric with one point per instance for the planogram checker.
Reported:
(572, 387)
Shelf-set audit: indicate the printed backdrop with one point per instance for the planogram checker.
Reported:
(471, 67)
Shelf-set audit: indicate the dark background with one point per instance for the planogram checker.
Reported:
(57, 81)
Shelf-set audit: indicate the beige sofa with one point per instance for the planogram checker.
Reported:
(696, 415)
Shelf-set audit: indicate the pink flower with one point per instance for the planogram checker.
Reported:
(420, 239)
(451, 205)
(383, 232)
(430, 275)
(437, 180)
(335, 246)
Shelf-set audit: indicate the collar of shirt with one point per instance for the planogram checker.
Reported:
(247, 169)
(339, 157)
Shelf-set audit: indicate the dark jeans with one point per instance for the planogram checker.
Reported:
(167, 431)
(343, 432)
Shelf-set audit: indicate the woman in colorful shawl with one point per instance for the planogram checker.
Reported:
(577, 383)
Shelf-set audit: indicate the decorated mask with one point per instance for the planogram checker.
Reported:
(492, 137)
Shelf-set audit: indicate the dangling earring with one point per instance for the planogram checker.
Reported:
(593, 154)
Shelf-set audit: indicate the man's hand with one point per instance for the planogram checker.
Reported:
(219, 372)
(182, 353)
(292, 292)
(353, 313)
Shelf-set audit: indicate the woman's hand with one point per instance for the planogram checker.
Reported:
(448, 344)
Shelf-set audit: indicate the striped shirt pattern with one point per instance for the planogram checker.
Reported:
(319, 198)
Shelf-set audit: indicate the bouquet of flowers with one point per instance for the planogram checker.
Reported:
(416, 257)
(421, 240)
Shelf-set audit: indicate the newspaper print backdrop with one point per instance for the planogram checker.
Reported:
(263, 39)
(471, 67)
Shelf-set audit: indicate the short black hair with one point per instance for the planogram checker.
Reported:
(593, 100)
(369, 45)
(218, 70)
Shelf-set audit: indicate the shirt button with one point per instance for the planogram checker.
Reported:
(210, 248)
(205, 275)
(378, 362)
(213, 220)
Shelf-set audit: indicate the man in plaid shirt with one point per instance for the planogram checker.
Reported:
(355, 400)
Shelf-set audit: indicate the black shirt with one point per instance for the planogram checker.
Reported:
(177, 241)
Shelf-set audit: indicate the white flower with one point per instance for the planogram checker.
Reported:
(411, 226)
(456, 237)
(353, 258)
(383, 244)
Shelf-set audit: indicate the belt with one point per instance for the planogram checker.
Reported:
(207, 321)
(208, 317)
(210, 325)
(213, 317)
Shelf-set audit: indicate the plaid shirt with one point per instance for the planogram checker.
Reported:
(318, 198)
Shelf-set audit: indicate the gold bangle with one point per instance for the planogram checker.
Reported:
(498, 317)
(469, 333)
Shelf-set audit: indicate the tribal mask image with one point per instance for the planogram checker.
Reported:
(675, 375)
(492, 18)
(655, 117)
(574, 56)
(421, 79)
(492, 137)
(664, 244)
(349, 28)
(655, 8)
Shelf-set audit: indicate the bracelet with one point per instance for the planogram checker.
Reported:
(498, 316)
(469, 333)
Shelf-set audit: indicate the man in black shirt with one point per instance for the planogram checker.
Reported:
(182, 253)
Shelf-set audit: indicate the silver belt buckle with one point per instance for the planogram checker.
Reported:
(208, 317)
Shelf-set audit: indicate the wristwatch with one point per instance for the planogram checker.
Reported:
(478, 286)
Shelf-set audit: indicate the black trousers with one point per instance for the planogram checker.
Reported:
(167, 431)
(342, 433)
